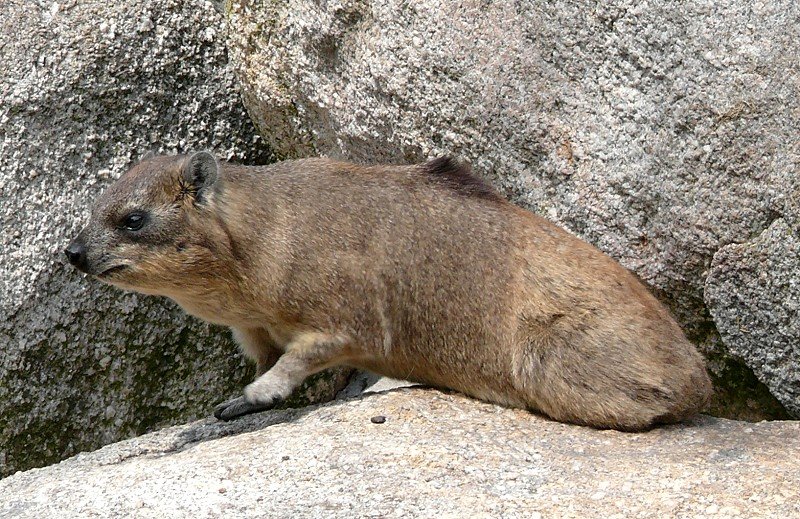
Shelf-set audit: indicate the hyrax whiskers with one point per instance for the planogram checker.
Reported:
(417, 272)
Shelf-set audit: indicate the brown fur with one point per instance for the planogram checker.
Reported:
(421, 272)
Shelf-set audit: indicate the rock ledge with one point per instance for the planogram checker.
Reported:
(435, 455)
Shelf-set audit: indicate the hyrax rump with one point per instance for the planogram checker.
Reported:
(421, 272)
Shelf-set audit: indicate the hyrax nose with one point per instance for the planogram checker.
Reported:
(76, 254)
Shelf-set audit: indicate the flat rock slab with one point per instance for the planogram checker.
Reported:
(436, 455)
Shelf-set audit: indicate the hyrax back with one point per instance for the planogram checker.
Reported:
(419, 272)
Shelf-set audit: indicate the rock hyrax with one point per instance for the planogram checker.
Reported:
(422, 272)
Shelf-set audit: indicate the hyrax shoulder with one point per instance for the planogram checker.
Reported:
(418, 272)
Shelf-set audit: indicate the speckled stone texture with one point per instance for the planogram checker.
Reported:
(436, 455)
(660, 132)
(753, 291)
(85, 89)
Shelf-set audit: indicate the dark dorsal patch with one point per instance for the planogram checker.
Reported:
(447, 172)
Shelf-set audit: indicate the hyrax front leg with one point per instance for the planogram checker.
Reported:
(257, 344)
(305, 355)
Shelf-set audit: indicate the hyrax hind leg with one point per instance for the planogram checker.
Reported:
(596, 377)
(307, 354)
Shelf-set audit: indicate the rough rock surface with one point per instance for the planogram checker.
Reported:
(436, 455)
(753, 292)
(659, 132)
(85, 89)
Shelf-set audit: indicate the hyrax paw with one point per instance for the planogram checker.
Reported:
(263, 396)
(238, 407)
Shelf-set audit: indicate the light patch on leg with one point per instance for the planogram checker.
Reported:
(309, 353)
(268, 388)
(386, 325)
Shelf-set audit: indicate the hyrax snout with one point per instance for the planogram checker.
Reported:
(420, 272)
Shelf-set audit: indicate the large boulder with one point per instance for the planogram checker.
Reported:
(753, 292)
(86, 87)
(435, 455)
(659, 132)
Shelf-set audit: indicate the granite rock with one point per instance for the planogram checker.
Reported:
(753, 292)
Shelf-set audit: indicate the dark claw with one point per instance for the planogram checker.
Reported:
(240, 407)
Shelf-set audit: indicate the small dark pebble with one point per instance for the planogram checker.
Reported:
(285, 458)
(378, 419)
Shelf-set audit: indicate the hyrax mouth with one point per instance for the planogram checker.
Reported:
(112, 270)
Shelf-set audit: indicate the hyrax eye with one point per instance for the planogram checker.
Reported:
(134, 221)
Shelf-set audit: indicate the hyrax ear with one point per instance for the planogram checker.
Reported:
(147, 156)
(199, 175)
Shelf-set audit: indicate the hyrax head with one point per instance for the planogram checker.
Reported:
(154, 230)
